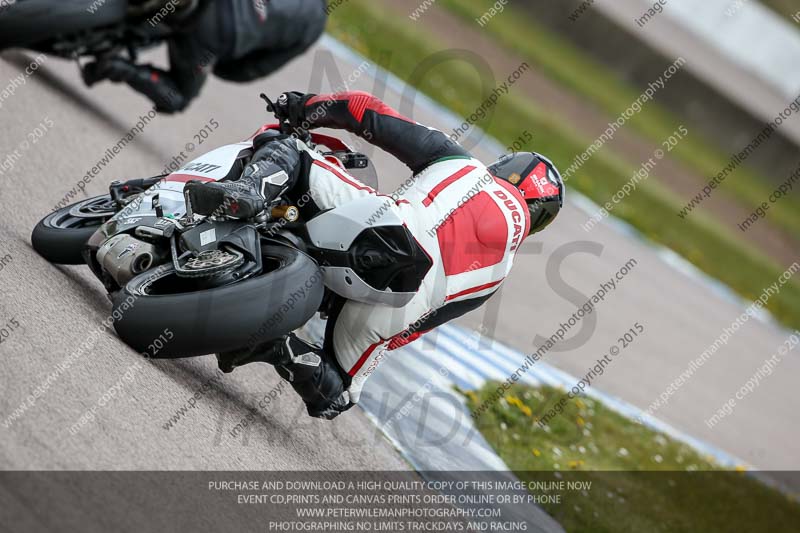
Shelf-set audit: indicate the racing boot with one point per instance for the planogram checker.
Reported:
(272, 171)
(269, 352)
(304, 366)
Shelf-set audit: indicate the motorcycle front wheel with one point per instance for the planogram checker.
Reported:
(61, 236)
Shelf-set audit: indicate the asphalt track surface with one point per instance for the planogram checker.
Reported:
(57, 308)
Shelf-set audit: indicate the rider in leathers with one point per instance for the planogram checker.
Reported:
(237, 40)
(469, 219)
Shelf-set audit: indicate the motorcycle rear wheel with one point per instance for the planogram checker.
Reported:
(191, 321)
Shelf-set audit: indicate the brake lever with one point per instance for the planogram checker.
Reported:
(270, 106)
(286, 126)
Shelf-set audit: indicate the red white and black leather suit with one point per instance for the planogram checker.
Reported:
(469, 223)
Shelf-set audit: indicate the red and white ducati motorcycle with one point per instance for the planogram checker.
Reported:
(219, 283)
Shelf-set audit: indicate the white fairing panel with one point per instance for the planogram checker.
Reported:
(215, 164)
(348, 284)
(211, 166)
(337, 229)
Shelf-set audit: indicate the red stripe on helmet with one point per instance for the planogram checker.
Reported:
(536, 185)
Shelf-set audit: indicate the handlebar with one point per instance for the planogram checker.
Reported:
(285, 121)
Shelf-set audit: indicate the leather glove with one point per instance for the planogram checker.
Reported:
(291, 107)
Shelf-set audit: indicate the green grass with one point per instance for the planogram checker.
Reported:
(787, 8)
(642, 480)
(374, 33)
(572, 68)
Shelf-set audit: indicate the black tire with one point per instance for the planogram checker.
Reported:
(60, 237)
(238, 315)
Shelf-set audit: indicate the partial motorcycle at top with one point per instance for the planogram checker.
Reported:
(81, 28)
(221, 283)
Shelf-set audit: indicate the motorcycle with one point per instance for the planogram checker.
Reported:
(220, 283)
(77, 28)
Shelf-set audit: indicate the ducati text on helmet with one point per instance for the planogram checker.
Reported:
(539, 182)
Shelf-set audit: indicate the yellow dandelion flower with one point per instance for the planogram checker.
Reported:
(536, 452)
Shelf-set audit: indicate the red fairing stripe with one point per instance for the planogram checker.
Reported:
(446, 183)
(343, 177)
(262, 129)
(363, 359)
(183, 178)
(473, 290)
(358, 102)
